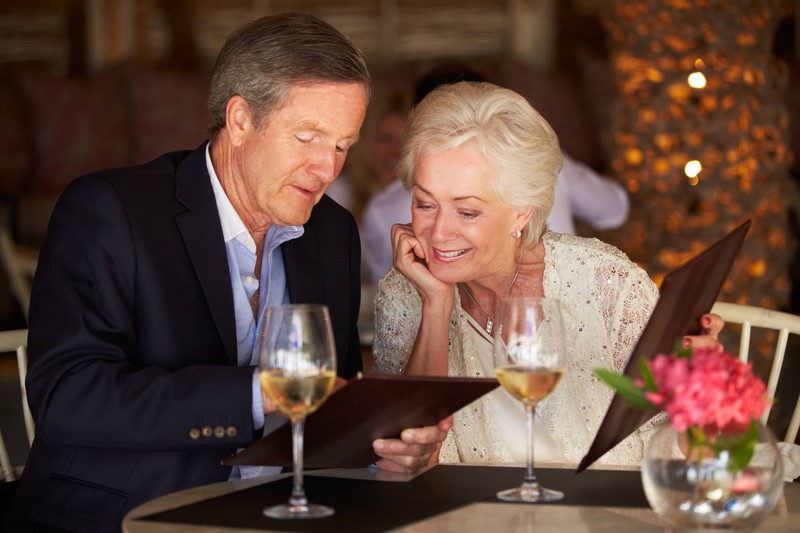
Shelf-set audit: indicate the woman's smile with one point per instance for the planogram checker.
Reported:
(450, 255)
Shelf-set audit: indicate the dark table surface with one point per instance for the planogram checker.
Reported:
(449, 497)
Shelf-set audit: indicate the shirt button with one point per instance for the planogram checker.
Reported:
(207, 431)
(231, 431)
(219, 432)
(194, 433)
(249, 280)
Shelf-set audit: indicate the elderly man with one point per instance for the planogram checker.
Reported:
(152, 280)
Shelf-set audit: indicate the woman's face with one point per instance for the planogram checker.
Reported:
(464, 229)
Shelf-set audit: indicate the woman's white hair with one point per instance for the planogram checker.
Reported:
(516, 140)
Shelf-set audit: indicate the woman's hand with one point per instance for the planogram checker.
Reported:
(409, 258)
(711, 325)
(415, 449)
(429, 354)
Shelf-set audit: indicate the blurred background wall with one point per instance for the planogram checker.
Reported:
(87, 84)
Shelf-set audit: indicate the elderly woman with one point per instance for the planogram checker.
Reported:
(482, 166)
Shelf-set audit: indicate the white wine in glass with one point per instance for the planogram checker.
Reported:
(298, 369)
(530, 358)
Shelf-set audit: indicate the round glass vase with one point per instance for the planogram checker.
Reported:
(706, 494)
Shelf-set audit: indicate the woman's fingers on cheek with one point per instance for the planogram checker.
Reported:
(407, 245)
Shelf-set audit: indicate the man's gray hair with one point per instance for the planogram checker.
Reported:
(264, 59)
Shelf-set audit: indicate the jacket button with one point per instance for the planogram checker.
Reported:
(231, 431)
(194, 433)
(219, 432)
(207, 431)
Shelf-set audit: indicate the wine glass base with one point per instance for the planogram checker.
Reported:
(289, 511)
(527, 494)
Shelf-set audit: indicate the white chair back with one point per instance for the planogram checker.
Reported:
(784, 323)
(10, 341)
(22, 366)
(9, 472)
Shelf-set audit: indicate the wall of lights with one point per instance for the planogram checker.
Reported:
(699, 137)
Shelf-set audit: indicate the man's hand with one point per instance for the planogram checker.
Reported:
(416, 448)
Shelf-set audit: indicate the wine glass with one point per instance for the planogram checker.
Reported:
(298, 370)
(529, 359)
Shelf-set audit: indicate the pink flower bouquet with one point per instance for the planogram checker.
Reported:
(711, 397)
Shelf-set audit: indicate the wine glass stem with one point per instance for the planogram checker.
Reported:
(530, 414)
(298, 494)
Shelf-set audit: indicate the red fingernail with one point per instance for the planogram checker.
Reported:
(706, 320)
(687, 341)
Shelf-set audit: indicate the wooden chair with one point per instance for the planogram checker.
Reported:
(16, 340)
(784, 324)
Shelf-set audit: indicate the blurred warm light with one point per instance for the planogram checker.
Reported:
(692, 168)
(697, 80)
(663, 127)
(757, 268)
(633, 156)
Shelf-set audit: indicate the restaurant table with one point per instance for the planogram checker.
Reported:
(444, 498)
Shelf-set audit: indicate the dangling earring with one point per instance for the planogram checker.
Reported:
(516, 234)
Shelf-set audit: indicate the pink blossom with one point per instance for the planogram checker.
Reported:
(710, 390)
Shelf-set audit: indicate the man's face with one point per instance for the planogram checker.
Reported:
(283, 168)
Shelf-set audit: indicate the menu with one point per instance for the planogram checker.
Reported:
(686, 294)
(370, 406)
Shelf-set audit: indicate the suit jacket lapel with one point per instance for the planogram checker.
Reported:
(202, 235)
(303, 265)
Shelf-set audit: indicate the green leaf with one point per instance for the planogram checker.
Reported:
(647, 375)
(743, 448)
(625, 387)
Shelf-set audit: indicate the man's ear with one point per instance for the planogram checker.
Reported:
(238, 119)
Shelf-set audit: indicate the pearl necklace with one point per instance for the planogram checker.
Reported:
(490, 318)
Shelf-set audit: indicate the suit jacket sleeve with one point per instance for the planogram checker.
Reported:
(124, 351)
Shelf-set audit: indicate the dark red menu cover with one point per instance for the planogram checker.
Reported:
(370, 406)
(686, 294)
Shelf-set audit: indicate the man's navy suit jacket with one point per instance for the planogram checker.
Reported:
(133, 379)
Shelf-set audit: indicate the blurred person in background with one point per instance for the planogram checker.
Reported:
(370, 165)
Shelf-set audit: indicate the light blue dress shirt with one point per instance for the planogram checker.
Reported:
(270, 285)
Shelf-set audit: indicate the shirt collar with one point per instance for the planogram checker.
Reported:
(232, 225)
